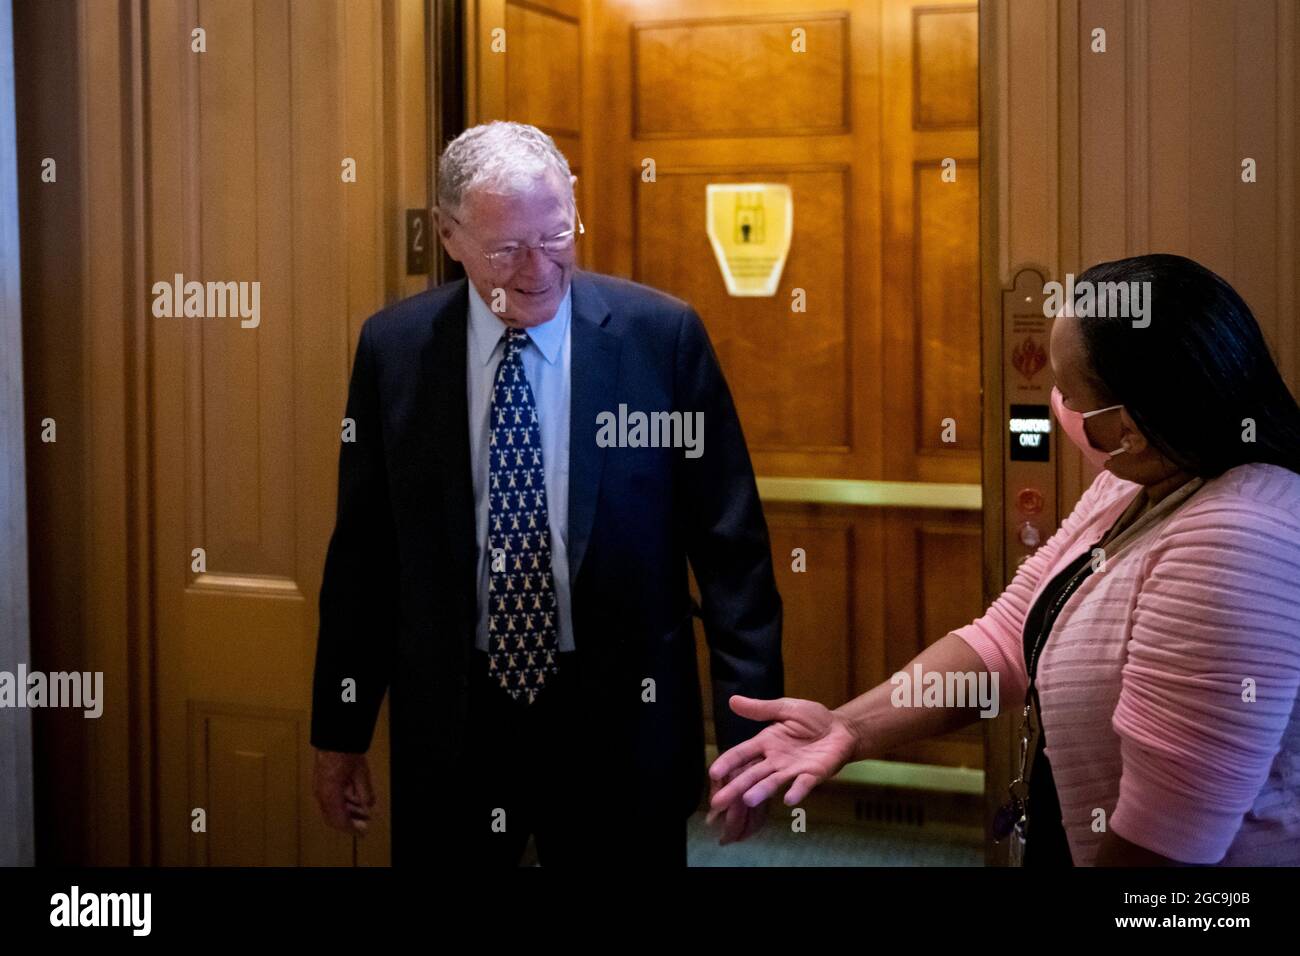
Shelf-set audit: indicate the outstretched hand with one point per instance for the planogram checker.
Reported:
(805, 745)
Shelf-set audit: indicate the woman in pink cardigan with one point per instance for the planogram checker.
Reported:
(1152, 646)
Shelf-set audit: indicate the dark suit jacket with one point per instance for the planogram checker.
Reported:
(398, 599)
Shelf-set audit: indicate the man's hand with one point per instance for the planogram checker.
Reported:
(342, 785)
(806, 745)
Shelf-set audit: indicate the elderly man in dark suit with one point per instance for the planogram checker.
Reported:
(538, 453)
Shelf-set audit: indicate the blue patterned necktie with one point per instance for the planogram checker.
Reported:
(522, 630)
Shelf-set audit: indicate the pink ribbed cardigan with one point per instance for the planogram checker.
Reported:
(1168, 684)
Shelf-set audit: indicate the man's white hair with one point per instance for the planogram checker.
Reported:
(498, 157)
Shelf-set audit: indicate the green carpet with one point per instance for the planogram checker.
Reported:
(828, 844)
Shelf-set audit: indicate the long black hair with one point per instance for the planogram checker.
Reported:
(1196, 377)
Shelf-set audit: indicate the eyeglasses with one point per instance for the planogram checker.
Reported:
(514, 253)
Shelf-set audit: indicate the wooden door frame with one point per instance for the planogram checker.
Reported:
(114, 260)
(446, 44)
(1042, 230)
(997, 733)
(91, 124)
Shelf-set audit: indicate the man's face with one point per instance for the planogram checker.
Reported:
(532, 288)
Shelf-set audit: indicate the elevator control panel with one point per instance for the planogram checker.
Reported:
(1029, 434)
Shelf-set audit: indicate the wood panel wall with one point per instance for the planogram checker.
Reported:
(221, 165)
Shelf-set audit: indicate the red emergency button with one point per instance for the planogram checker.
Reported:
(1030, 501)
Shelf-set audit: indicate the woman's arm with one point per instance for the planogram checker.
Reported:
(1210, 679)
(807, 744)
(990, 645)
(877, 725)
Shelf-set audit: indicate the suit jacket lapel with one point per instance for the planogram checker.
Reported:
(444, 368)
(592, 387)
